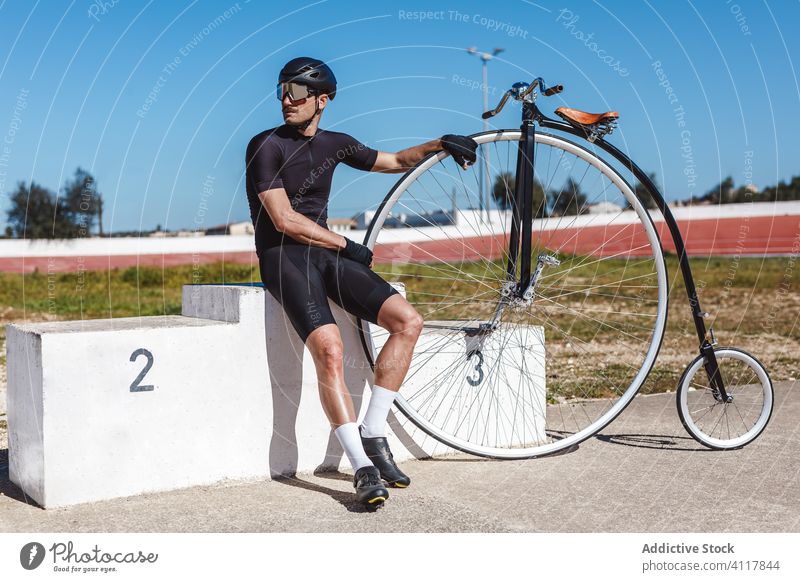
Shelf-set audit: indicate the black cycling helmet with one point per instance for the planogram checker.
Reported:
(311, 72)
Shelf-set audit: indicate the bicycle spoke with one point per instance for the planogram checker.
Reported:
(552, 369)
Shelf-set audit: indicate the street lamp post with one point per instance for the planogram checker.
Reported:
(485, 174)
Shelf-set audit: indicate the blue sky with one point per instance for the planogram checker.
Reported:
(159, 99)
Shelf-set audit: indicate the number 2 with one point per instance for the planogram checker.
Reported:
(135, 385)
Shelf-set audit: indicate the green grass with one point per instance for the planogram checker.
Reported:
(746, 297)
(742, 294)
(115, 293)
(738, 293)
(155, 291)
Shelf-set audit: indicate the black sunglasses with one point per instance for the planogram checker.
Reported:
(295, 91)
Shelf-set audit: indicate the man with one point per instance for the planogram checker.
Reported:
(302, 263)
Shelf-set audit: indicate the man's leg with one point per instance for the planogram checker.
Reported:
(325, 345)
(404, 325)
(291, 274)
(362, 292)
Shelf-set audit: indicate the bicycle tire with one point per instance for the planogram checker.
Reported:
(550, 437)
(704, 416)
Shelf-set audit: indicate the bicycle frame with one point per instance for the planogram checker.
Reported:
(522, 222)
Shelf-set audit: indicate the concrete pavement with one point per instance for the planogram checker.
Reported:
(642, 474)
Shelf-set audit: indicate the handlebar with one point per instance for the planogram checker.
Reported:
(520, 91)
(496, 110)
(553, 90)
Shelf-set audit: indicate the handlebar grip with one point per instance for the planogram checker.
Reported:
(553, 90)
(487, 114)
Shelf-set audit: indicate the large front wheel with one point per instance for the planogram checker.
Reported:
(507, 376)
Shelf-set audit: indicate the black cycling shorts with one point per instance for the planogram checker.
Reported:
(302, 277)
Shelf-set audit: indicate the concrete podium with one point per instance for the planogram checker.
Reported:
(108, 408)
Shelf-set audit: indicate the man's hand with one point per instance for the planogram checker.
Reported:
(461, 147)
(357, 252)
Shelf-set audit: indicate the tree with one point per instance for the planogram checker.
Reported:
(33, 213)
(722, 192)
(503, 194)
(643, 194)
(99, 215)
(36, 212)
(81, 203)
(782, 191)
(539, 200)
(569, 200)
(503, 189)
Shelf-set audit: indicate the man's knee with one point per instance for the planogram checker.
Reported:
(408, 322)
(325, 344)
(414, 323)
(332, 350)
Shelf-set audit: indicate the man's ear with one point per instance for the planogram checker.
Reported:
(323, 101)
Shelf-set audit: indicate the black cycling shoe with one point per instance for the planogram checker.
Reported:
(377, 449)
(369, 487)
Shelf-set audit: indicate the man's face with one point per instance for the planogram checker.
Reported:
(301, 110)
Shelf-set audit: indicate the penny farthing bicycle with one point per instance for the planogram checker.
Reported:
(543, 320)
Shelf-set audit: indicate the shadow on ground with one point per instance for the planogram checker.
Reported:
(346, 499)
(7, 488)
(654, 441)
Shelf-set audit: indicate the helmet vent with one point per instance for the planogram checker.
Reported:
(312, 72)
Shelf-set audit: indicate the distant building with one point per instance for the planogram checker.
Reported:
(435, 218)
(342, 224)
(232, 228)
(476, 220)
(174, 233)
(404, 219)
(363, 219)
(604, 208)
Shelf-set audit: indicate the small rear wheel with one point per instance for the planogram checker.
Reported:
(719, 424)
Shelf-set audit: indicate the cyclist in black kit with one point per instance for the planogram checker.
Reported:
(302, 263)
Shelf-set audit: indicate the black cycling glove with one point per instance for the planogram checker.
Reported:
(461, 147)
(357, 252)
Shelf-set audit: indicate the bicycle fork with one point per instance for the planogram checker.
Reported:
(520, 236)
(522, 209)
(711, 366)
(522, 220)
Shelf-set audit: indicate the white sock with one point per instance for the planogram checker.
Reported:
(380, 402)
(351, 443)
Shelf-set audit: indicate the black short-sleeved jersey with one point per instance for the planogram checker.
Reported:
(282, 157)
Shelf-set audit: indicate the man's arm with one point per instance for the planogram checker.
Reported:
(404, 160)
(296, 225)
(462, 149)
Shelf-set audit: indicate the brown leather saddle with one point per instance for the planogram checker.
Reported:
(584, 119)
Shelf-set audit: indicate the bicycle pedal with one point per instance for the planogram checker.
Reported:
(549, 259)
